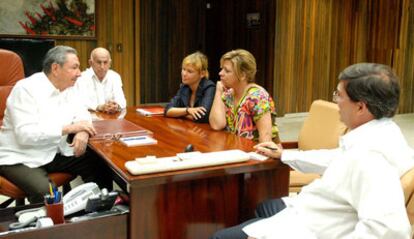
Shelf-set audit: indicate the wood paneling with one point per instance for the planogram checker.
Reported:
(300, 47)
(316, 40)
(227, 29)
(403, 57)
(115, 31)
(169, 30)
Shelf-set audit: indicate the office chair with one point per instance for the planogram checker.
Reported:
(321, 130)
(407, 182)
(11, 71)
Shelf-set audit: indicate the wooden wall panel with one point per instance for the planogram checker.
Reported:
(315, 40)
(227, 29)
(311, 46)
(403, 57)
(123, 46)
(169, 30)
(115, 31)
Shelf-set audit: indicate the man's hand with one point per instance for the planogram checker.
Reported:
(269, 149)
(110, 107)
(79, 127)
(79, 143)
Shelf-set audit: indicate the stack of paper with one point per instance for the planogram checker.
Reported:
(137, 140)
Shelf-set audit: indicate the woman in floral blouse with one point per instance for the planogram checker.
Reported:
(240, 105)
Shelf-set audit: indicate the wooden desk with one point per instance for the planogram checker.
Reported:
(191, 203)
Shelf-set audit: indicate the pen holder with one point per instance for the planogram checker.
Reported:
(55, 212)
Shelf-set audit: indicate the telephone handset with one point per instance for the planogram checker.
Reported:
(76, 199)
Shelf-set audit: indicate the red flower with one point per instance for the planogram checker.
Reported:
(28, 30)
(48, 11)
(31, 18)
(73, 21)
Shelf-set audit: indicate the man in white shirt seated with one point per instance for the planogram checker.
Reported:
(100, 86)
(41, 111)
(359, 194)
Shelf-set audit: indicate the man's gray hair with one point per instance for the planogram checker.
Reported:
(56, 55)
(374, 84)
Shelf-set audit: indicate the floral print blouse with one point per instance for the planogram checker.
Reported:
(241, 118)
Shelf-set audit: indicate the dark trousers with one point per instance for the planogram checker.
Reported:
(35, 182)
(265, 209)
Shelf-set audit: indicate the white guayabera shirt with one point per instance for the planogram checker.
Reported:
(34, 118)
(359, 194)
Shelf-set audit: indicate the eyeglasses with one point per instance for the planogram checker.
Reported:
(335, 96)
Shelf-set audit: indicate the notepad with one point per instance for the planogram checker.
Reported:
(138, 141)
(121, 127)
(151, 111)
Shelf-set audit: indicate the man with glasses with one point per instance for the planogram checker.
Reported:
(359, 194)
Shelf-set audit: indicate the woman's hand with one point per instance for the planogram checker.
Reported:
(269, 149)
(220, 87)
(197, 112)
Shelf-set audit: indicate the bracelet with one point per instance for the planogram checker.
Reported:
(186, 111)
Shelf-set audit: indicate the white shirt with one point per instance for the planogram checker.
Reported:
(96, 92)
(34, 118)
(359, 194)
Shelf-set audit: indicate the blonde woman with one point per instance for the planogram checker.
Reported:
(195, 96)
(240, 105)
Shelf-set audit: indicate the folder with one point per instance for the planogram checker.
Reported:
(151, 111)
(117, 128)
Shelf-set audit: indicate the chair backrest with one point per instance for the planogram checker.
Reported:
(407, 182)
(322, 128)
(31, 51)
(11, 70)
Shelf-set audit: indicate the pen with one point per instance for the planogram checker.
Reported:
(133, 138)
(271, 148)
(51, 190)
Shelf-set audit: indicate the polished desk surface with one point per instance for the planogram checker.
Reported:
(173, 135)
(196, 202)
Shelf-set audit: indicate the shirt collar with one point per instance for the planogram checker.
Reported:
(95, 77)
(48, 87)
(362, 134)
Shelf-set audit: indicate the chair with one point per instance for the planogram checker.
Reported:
(321, 130)
(407, 182)
(11, 71)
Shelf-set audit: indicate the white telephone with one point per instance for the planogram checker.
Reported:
(74, 201)
(77, 198)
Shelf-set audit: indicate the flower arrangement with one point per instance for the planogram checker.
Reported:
(60, 18)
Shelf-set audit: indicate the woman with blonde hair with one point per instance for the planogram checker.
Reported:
(195, 96)
(240, 105)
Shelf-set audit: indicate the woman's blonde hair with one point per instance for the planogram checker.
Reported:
(198, 60)
(243, 62)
